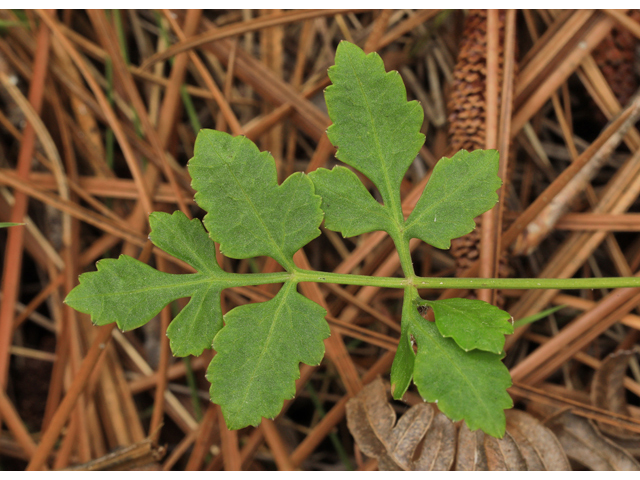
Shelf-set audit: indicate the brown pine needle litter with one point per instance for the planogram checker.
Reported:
(99, 111)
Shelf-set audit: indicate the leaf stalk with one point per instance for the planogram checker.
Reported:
(465, 283)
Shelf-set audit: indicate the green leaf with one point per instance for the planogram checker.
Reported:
(348, 207)
(460, 188)
(374, 127)
(251, 215)
(9, 224)
(194, 328)
(258, 352)
(128, 292)
(473, 324)
(465, 385)
(404, 361)
(184, 239)
(131, 293)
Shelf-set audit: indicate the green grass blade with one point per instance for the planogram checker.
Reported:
(537, 316)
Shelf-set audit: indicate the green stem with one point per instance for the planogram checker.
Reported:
(249, 279)
(528, 283)
(348, 279)
(299, 275)
(466, 283)
(404, 253)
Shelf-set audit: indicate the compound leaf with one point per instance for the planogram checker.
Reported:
(348, 207)
(374, 127)
(131, 293)
(460, 188)
(260, 346)
(249, 213)
(465, 385)
(258, 352)
(473, 324)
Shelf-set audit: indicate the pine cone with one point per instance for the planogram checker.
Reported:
(466, 104)
(467, 117)
(616, 56)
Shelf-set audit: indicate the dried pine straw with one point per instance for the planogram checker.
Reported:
(98, 115)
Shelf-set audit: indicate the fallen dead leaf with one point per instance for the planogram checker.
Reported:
(539, 446)
(424, 439)
(608, 392)
(583, 442)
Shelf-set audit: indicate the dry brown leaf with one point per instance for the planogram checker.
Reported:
(630, 445)
(583, 443)
(439, 445)
(477, 451)
(370, 419)
(608, 392)
(471, 455)
(369, 414)
(407, 434)
(539, 446)
(424, 439)
(503, 454)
